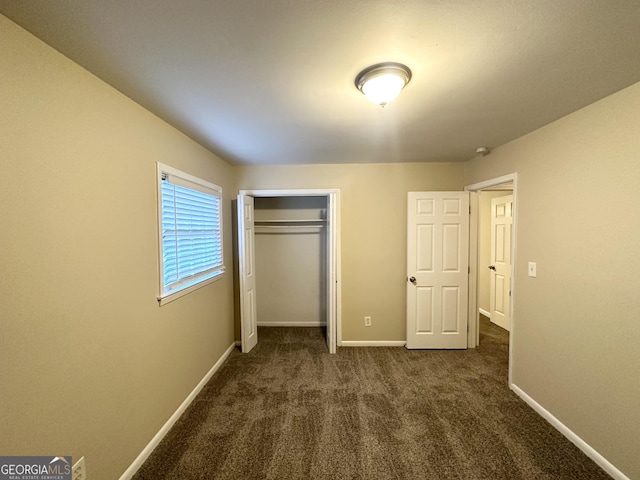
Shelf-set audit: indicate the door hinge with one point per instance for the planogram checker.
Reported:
(468, 269)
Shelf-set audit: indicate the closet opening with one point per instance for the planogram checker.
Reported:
(291, 261)
(288, 259)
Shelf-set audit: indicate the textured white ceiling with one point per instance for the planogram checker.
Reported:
(272, 82)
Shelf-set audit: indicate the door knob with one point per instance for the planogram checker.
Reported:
(413, 280)
(492, 267)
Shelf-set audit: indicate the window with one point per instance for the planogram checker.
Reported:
(190, 221)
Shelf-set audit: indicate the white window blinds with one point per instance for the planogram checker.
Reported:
(191, 231)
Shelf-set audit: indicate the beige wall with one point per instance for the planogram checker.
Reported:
(576, 328)
(484, 246)
(89, 363)
(374, 238)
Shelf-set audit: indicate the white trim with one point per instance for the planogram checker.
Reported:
(292, 324)
(373, 343)
(155, 441)
(511, 177)
(162, 168)
(473, 322)
(335, 273)
(336, 262)
(587, 449)
(473, 253)
(290, 192)
(484, 312)
(170, 297)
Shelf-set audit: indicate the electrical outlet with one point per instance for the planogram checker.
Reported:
(367, 321)
(79, 471)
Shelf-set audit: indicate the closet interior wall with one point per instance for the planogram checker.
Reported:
(291, 261)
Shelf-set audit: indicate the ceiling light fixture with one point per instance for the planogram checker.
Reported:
(383, 82)
(483, 151)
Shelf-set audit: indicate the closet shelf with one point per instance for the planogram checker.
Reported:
(290, 226)
(303, 222)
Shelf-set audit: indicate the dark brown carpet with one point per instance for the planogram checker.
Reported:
(289, 410)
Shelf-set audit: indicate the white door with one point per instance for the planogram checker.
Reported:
(247, 266)
(501, 226)
(437, 269)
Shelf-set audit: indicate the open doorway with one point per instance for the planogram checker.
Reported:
(486, 277)
(495, 210)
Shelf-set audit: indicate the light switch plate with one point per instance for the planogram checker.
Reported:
(531, 269)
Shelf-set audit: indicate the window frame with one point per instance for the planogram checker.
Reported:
(168, 295)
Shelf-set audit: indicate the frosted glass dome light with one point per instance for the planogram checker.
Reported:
(383, 82)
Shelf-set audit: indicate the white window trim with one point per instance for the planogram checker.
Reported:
(166, 297)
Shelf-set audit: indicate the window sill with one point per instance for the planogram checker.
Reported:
(170, 297)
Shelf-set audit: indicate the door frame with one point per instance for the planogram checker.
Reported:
(334, 300)
(473, 336)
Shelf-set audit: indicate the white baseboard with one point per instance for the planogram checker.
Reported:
(575, 439)
(291, 324)
(373, 343)
(484, 312)
(155, 441)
